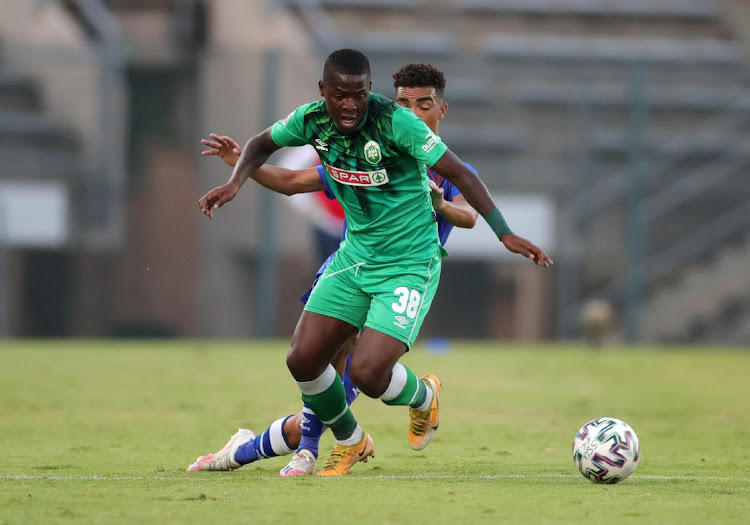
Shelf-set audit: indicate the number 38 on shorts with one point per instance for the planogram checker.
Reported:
(408, 302)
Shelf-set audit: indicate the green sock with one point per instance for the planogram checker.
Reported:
(413, 392)
(330, 406)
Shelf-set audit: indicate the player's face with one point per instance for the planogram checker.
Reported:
(346, 99)
(425, 104)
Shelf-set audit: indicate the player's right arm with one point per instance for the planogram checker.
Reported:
(286, 132)
(288, 182)
(280, 180)
(254, 154)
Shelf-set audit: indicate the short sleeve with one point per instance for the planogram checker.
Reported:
(414, 136)
(290, 131)
(324, 179)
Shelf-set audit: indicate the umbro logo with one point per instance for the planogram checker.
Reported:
(401, 319)
(322, 146)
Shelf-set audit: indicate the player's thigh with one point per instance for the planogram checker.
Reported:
(401, 298)
(339, 294)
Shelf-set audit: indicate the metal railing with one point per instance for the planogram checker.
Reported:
(655, 199)
(104, 190)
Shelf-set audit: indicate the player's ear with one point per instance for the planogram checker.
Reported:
(321, 88)
(443, 110)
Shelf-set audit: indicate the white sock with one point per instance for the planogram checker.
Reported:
(427, 401)
(355, 438)
(398, 381)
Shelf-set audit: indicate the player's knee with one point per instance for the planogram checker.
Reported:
(298, 366)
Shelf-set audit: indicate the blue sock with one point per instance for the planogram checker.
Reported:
(271, 443)
(312, 426)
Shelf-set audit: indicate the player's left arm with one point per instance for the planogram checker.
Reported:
(458, 212)
(477, 195)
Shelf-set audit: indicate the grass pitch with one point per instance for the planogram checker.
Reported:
(101, 432)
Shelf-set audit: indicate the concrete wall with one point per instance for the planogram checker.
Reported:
(233, 100)
(40, 40)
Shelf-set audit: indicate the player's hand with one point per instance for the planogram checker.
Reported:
(436, 194)
(216, 198)
(224, 147)
(517, 244)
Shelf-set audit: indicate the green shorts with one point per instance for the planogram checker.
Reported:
(390, 298)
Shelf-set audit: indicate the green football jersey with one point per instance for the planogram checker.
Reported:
(378, 175)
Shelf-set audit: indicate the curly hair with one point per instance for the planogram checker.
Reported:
(420, 75)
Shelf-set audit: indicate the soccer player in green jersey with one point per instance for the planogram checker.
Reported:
(421, 88)
(384, 276)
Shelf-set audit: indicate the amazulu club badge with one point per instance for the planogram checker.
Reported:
(372, 152)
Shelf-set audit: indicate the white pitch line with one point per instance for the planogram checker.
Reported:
(226, 476)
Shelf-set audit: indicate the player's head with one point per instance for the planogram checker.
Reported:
(346, 88)
(420, 87)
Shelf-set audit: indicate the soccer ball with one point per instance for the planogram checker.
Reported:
(606, 450)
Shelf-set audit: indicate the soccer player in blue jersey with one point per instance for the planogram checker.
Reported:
(382, 280)
(419, 87)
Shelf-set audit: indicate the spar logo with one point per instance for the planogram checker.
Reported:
(358, 178)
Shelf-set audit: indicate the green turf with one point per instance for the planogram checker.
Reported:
(101, 432)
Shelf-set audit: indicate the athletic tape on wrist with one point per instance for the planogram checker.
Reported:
(497, 222)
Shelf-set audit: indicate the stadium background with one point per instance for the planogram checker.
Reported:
(614, 133)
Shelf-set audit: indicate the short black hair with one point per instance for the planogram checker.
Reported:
(346, 62)
(420, 75)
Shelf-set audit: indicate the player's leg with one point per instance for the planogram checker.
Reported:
(282, 437)
(402, 296)
(244, 447)
(309, 428)
(315, 336)
(324, 394)
(335, 312)
(273, 442)
(376, 371)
